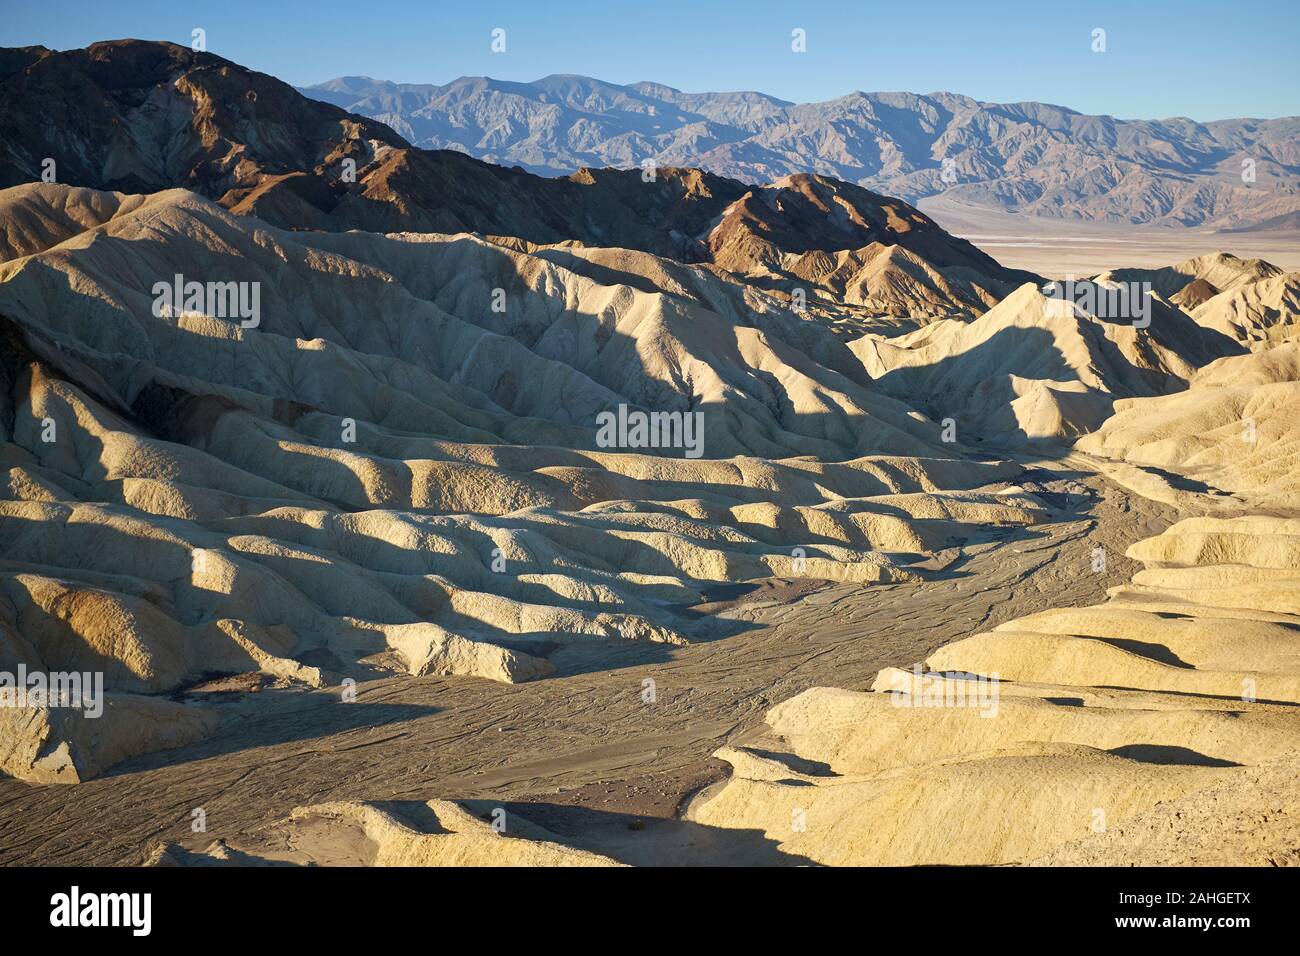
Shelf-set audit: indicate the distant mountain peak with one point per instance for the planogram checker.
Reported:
(1029, 157)
(259, 148)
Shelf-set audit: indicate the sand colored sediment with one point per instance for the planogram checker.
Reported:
(1226, 443)
(62, 745)
(1174, 694)
(1249, 300)
(1215, 272)
(1252, 818)
(1040, 367)
(359, 834)
(1260, 315)
(385, 473)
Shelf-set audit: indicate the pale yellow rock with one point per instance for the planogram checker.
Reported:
(63, 745)
(1109, 731)
(1038, 367)
(359, 834)
(382, 471)
(1251, 818)
(1231, 434)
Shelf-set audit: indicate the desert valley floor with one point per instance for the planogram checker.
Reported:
(600, 759)
(1057, 248)
(606, 773)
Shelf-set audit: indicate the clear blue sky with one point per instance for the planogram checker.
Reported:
(1197, 58)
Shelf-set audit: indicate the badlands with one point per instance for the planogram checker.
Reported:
(966, 572)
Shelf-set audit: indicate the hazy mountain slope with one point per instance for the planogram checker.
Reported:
(150, 116)
(384, 473)
(1029, 157)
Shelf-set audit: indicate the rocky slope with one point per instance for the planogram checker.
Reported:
(150, 116)
(1157, 727)
(1038, 367)
(383, 472)
(1230, 436)
(357, 834)
(368, 442)
(932, 768)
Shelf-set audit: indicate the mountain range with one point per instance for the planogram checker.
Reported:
(1032, 158)
(150, 116)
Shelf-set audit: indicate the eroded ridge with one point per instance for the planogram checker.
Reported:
(1178, 692)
